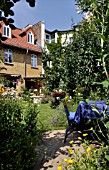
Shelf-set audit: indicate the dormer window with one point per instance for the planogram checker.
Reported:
(7, 31)
(30, 38)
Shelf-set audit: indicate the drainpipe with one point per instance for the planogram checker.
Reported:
(25, 71)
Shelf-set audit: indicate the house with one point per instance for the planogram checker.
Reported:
(46, 36)
(22, 53)
(22, 57)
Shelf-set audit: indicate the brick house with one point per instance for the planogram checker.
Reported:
(22, 57)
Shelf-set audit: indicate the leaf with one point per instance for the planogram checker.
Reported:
(105, 55)
(99, 59)
(102, 37)
(11, 13)
(107, 13)
(107, 125)
(95, 110)
(105, 84)
(96, 83)
(107, 157)
(98, 21)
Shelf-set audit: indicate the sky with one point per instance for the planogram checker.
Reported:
(56, 14)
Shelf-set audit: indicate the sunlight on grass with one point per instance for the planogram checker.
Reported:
(51, 119)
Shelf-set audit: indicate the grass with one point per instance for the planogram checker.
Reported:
(52, 119)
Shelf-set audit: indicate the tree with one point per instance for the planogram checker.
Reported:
(53, 73)
(99, 10)
(81, 58)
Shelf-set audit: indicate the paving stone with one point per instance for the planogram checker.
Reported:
(53, 150)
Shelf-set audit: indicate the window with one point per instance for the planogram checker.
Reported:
(30, 38)
(49, 63)
(53, 38)
(70, 39)
(7, 31)
(34, 61)
(8, 56)
(47, 38)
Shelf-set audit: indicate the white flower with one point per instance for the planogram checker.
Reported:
(87, 15)
(35, 90)
(70, 97)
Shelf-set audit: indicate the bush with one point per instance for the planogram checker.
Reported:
(19, 135)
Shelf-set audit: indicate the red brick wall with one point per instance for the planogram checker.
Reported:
(37, 29)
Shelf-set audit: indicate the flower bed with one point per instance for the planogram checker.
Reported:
(58, 94)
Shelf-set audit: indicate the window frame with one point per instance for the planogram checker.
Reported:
(7, 55)
(6, 31)
(30, 37)
(70, 39)
(34, 61)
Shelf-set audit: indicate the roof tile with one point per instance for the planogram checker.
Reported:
(20, 42)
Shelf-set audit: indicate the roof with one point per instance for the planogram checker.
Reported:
(62, 31)
(19, 39)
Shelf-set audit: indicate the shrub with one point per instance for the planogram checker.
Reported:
(19, 135)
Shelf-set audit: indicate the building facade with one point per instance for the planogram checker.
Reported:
(22, 52)
(22, 58)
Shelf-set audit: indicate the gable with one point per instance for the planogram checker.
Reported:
(19, 39)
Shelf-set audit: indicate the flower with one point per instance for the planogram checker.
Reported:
(65, 160)
(77, 149)
(70, 161)
(79, 138)
(88, 149)
(70, 151)
(58, 94)
(87, 15)
(88, 154)
(84, 144)
(91, 128)
(85, 134)
(71, 142)
(59, 167)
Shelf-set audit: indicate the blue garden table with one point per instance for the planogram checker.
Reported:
(85, 111)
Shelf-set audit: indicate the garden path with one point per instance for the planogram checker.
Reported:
(53, 150)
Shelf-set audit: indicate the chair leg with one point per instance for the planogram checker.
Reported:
(68, 129)
(65, 135)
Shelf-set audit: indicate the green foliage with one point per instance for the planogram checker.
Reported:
(83, 63)
(53, 73)
(99, 11)
(91, 157)
(19, 134)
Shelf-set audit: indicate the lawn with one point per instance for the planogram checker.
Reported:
(51, 119)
